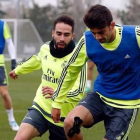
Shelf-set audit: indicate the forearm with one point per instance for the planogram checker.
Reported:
(69, 75)
(28, 66)
(59, 99)
(11, 48)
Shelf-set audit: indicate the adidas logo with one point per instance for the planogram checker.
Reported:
(83, 102)
(45, 57)
(28, 118)
(127, 56)
(55, 60)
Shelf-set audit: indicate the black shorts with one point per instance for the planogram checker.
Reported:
(36, 119)
(118, 122)
(3, 76)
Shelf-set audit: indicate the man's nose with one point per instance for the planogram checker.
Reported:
(98, 37)
(62, 37)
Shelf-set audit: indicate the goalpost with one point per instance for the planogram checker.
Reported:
(26, 38)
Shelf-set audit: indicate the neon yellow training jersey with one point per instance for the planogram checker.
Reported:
(52, 68)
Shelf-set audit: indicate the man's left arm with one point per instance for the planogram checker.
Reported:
(68, 78)
(10, 46)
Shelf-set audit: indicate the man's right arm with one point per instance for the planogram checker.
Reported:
(70, 74)
(68, 77)
(26, 67)
(30, 65)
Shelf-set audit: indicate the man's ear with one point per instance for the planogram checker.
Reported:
(73, 36)
(112, 25)
(52, 33)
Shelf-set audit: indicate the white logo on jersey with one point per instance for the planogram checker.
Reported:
(127, 56)
(83, 102)
(28, 118)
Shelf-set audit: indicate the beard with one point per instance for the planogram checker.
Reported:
(57, 47)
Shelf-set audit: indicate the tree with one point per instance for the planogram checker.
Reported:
(78, 9)
(64, 7)
(132, 15)
(43, 18)
(2, 14)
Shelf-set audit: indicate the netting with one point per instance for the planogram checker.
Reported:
(25, 37)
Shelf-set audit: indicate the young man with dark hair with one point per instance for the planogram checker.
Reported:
(115, 50)
(52, 58)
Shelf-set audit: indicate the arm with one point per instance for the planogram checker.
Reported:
(77, 91)
(10, 45)
(25, 67)
(30, 65)
(68, 78)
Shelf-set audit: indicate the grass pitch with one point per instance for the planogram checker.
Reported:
(23, 91)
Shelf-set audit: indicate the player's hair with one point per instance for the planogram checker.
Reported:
(65, 19)
(98, 16)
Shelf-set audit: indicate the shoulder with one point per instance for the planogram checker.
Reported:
(2, 24)
(1, 21)
(6, 26)
(45, 46)
(80, 44)
(82, 39)
(138, 35)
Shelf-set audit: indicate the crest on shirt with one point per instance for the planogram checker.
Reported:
(45, 57)
(64, 64)
(55, 60)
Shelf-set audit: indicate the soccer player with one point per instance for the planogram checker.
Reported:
(52, 58)
(5, 37)
(115, 50)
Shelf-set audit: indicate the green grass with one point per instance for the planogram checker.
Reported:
(23, 91)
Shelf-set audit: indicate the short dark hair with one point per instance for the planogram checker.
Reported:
(65, 19)
(98, 16)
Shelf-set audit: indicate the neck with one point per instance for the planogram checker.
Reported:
(61, 53)
(113, 36)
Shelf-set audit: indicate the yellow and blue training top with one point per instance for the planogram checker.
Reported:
(118, 64)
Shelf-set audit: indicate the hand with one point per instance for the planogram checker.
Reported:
(47, 92)
(13, 64)
(13, 75)
(56, 115)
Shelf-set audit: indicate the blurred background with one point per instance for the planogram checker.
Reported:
(31, 21)
(31, 24)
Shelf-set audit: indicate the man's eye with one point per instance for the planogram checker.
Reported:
(101, 32)
(58, 34)
(66, 34)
